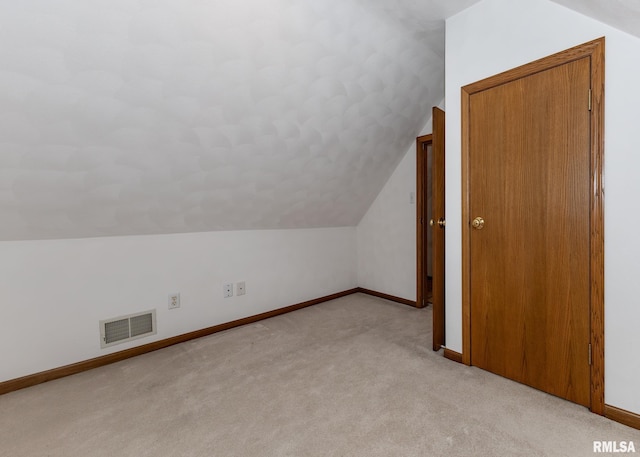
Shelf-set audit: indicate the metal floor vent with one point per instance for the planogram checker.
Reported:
(126, 328)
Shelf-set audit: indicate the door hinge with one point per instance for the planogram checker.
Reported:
(589, 353)
(589, 99)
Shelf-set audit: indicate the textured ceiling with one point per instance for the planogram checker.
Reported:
(621, 14)
(162, 116)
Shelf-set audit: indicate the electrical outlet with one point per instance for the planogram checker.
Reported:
(227, 290)
(241, 289)
(174, 301)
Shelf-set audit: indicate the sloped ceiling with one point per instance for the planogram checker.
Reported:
(162, 116)
(621, 14)
(122, 117)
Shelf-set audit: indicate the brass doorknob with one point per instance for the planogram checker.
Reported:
(431, 222)
(477, 223)
(441, 222)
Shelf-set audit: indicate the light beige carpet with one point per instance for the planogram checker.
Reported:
(351, 377)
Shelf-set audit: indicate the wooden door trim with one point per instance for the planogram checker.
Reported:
(421, 141)
(595, 50)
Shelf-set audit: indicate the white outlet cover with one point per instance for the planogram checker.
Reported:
(227, 290)
(174, 301)
(241, 288)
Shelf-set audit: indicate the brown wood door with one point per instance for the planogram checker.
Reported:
(529, 180)
(438, 228)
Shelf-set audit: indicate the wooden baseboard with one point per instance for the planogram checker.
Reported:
(56, 373)
(622, 416)
(452, 355)
(404, 301)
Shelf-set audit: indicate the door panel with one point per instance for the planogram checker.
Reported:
(529, 179)
(438, 230)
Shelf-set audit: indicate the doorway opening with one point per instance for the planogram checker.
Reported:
(424, 201)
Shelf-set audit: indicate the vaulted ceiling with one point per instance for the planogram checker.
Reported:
(621, 14)
(126, 117)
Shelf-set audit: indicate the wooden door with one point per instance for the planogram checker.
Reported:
(431, 221)
(530, 200)
(438, 217)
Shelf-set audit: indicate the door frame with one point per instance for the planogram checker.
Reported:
(595, 51)
(421, 207)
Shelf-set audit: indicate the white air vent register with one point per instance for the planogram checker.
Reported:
(127, 328)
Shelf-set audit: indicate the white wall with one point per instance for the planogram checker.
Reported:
(496, 35)
(387, 232)
(387, 235)
(55, 292)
